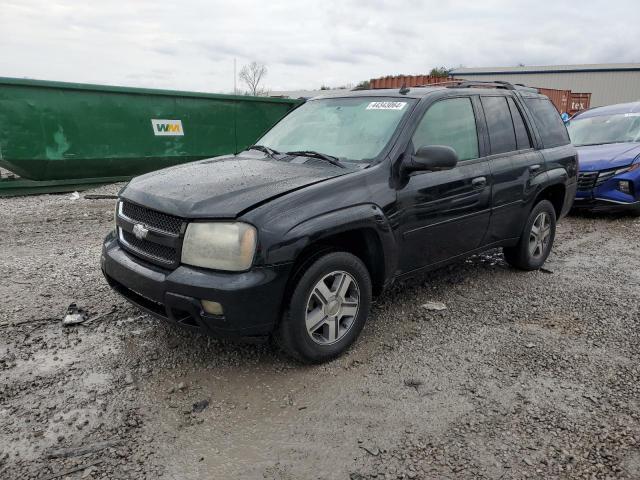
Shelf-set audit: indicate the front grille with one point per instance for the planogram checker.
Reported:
(151, 218)
(590, 180)
(161, 253)
(587, 180)
(161, 244)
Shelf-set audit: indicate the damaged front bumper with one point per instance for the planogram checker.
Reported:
(251, 301)
(608, 196)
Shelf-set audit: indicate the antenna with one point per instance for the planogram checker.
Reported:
(403, 89)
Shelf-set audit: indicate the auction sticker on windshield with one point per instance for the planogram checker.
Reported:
(386, 105)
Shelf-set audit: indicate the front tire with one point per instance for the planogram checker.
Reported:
(536, 240)
(327, 310)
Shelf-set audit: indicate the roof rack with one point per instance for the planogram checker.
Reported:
(494, 84)
(446, 83)
(526, 88)
(484, 84)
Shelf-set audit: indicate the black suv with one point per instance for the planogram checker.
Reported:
(292, 237)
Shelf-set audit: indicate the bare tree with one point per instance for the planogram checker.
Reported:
(252, 75)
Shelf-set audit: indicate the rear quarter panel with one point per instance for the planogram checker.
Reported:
(562, 168)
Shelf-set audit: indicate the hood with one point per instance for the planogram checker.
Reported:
(608, 155)
(223, 187)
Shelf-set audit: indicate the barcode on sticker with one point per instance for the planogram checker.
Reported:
(386, 105)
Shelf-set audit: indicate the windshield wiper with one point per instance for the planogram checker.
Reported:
(323, 156)
(601, 143)
(261, 148)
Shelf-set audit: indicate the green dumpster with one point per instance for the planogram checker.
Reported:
(54, 131)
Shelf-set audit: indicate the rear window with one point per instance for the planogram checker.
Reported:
(522, 137)
(501, 134)
(548, 121)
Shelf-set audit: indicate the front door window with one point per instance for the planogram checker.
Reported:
(449, 122)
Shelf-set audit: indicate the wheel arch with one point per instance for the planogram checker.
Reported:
(556, 194)
(362, 230)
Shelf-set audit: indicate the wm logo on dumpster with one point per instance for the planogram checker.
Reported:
(167, 127)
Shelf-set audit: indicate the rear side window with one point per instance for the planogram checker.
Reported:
(548, 121)
(522, 136)
(502, 137)
(452, 123)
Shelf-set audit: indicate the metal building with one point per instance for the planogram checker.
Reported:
(608, 83)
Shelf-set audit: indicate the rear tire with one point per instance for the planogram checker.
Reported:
(327, 310)
(536, 240)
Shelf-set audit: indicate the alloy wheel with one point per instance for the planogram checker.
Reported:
(332, 307)
(540, 235)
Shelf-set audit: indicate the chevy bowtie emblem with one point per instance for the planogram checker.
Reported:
(140, 231)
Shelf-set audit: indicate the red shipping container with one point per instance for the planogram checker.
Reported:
(559, 98)
(563, 100)
(579, 102)
(409, 80)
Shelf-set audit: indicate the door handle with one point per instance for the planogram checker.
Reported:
(534, 168)
(479, 182)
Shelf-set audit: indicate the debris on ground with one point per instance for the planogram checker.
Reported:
(100, 316)
(81, 468)
(370, 450)
(200, 406)
(100, 197)
(75, 315)
(83, 449)
(434, 306)
(74, 196)
(413, 383)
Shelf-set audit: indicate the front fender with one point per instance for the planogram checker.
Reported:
(317, 228)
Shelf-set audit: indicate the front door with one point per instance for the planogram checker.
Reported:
(445, 214)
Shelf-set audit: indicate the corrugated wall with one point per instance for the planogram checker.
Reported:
(606, 88)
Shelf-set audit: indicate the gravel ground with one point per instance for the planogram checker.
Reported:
(523, 375)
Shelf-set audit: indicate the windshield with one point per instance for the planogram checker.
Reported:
(622, 127)
(355, 128)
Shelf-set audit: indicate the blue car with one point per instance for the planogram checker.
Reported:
(608, 144)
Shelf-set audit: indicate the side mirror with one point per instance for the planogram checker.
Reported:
(432, 158)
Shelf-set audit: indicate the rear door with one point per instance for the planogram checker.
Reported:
(515, 166)
(445, 214)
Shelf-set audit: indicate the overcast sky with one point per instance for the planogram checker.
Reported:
(191, 44)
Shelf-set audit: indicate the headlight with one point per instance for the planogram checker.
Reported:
(219, 245)
(630, 168)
